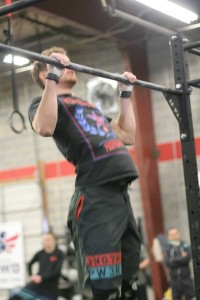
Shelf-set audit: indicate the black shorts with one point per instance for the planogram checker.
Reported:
(105, 235)
(183, 287)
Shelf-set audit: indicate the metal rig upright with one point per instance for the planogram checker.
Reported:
(181, 107)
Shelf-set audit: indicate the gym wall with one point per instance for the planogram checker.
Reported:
(20, 154)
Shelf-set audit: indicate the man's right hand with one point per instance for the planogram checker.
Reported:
(63, 59)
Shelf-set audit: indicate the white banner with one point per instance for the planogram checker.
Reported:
(12, 266)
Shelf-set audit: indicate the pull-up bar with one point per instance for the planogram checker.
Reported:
(191, 45)
(87, 70)
(194, 51)
(18, 5)
(194, 82)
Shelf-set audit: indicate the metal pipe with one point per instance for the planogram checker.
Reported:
(194, 51)
(84, 69)
(194, 83)
(142, 22)
(18, 5)
(191, 45)
(189, 27)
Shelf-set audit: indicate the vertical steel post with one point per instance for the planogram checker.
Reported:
(181, 75)
(135, 58)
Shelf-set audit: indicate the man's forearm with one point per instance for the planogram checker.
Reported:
(29, 269)
(45, 118)
(126, 120)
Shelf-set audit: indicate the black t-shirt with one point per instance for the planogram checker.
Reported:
(49, 267)
(85, 138)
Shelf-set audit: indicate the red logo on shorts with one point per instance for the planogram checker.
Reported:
(105, 259)
(79, 206)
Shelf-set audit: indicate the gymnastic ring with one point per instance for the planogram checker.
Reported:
(11, 121)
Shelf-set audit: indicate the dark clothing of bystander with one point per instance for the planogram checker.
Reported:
(177, 256)
(49, 269)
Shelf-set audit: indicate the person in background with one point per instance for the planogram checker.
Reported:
(142, 276)
(100, 217)
(44, 284)
(177, 256)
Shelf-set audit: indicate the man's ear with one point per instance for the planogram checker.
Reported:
(42, 75)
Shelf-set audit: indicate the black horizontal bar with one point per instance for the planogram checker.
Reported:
(191, 45)
(18, 5)
(195, 83)
(194, 51)
(84, 69)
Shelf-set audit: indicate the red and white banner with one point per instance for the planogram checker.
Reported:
(12, 265)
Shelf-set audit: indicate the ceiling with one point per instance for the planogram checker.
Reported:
(84, 21)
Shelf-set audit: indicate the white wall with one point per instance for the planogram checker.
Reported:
(26, 149)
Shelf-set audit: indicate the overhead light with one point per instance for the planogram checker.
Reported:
(169, 8)
(18, 60)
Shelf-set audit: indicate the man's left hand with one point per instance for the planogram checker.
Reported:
(126, 87)
(36, 279)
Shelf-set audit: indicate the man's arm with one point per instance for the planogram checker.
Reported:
(185, 256)
(31, 262)
(175, 262)
(125, 125)
(45, 119)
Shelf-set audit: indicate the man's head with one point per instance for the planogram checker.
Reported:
(173, 234)
(39, 70)
(49, 242)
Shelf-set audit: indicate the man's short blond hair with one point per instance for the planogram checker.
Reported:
(40, 66)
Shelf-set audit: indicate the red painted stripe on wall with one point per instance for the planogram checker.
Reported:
(59, 169)
(172, 151)
(197, 146)
(17, 174)
(166, 152)
(169, 151)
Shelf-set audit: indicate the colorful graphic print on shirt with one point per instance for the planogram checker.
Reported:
(92, 125)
